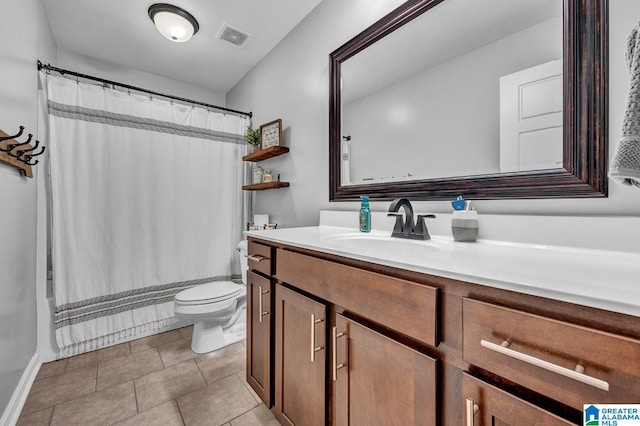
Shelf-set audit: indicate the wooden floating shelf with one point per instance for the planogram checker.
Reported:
(263, 186)
(263, 154)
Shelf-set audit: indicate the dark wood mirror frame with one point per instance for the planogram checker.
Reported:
(585, 67)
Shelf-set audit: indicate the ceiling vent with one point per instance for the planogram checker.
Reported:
(233, 35)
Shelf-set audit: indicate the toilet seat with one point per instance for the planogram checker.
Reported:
(212, 292)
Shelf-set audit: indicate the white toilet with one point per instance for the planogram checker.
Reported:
(218, 310)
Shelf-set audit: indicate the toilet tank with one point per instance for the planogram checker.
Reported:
(244, 262)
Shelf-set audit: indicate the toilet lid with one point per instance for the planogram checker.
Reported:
(209, 292)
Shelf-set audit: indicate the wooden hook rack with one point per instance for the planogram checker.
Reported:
(19, 154)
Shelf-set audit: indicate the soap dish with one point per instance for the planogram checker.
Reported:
(465, 226)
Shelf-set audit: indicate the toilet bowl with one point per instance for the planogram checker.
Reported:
(217, 309)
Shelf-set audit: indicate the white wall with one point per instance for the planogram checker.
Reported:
(24, 37)
(292, 82)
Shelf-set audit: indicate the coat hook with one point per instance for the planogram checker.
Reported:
(28, 162)
(15, 145)
(30, 156)
(21, 152)
(13, 137)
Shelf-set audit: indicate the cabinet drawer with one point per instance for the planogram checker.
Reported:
(260, 257)
(572, 364)
(401, 305)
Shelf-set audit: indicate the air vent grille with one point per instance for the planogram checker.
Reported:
(233, 35)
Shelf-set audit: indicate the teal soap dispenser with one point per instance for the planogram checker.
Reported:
(365, 215)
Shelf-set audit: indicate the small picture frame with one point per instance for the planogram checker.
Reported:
(271, 134)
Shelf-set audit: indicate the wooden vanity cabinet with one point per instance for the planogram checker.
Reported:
(259, 320)
(300, 359)
(358, 343)
(371, 378)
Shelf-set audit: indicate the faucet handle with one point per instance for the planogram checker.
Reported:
(399, 226)
(421, 226)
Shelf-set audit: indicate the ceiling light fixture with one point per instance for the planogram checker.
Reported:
(174, 23)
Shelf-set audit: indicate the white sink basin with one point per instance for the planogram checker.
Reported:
(380, 245)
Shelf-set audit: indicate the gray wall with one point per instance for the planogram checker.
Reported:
(24, 37)
(292, 83)
(135, 77)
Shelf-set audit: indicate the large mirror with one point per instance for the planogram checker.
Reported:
(490, 99)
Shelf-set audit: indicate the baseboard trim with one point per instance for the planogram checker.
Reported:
(19, 397)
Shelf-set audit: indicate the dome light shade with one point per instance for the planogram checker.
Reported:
(174, 23)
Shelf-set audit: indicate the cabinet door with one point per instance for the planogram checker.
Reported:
(486, 405)
(300, 340)
(379, 381)
(259, 335)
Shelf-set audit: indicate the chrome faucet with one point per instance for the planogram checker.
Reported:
(405, 227)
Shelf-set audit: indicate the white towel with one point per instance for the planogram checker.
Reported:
(625, 165)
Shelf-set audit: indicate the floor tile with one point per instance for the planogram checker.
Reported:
(99, 408)
(164, 385)
(112, 352)
(120, 370)
(50, 369)
(36, 419)
(222, 363)
(166, 414)
(242, 376)
(92, 358)
(83, 360)
(186, 332)
(155, 340)
(216, 403)
(175, 352)
(54, 390)
(259, 416)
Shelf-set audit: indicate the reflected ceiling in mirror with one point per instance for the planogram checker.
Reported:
(481, 98)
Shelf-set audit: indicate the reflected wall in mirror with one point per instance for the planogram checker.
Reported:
(492, 99)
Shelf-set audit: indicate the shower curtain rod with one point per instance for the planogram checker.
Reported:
(64, 72)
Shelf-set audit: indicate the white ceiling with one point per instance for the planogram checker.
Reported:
(120, 32)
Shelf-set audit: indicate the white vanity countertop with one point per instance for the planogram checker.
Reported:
(602, 279)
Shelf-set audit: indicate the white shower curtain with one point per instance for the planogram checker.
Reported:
(146, 201)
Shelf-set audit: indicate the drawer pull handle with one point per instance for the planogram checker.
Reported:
(261, 312)
(314, 348)
(255, 257)
(472, 409)
(336, 366)
(575, 375)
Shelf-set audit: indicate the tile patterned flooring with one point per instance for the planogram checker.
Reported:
(156, 380)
